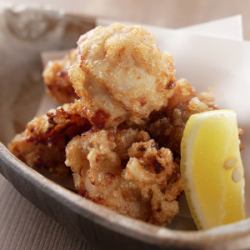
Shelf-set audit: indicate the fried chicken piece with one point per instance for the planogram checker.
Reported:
(167, 126)
(42, 144)
(56, 79)
(97, 167)
(123, 170)
(121, 75)
(158, 178)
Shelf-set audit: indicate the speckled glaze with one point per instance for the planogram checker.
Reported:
(24, 34)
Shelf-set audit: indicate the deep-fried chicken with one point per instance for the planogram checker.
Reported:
(42, 144)
(121, 75)
(158, 178)
(126, 86)
(167, 126)
(123, 170)
(57, 81)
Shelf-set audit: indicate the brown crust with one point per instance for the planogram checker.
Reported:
(43, 142)
(56, 79)
(167, 125)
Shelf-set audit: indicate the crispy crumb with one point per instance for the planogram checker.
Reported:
(121, 138)
(42, 144)
(56, 79)
(122, 72)
(167, 126)
(124, 170)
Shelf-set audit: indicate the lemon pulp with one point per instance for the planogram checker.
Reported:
(212, 169)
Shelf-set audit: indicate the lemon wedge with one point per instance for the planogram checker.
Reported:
(212, 169)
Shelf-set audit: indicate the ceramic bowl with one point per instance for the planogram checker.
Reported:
(24, 34)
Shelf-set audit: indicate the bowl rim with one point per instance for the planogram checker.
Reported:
(238, 232)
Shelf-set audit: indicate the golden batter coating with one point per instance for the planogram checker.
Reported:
(42, 144)
(121, 138)
(123, 170)
(167, 126)
(158, 178)
(56, 79)
(122, 74)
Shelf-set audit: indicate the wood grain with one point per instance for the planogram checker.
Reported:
(23, 226)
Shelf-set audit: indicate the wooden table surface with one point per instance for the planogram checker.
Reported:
(22, 226)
